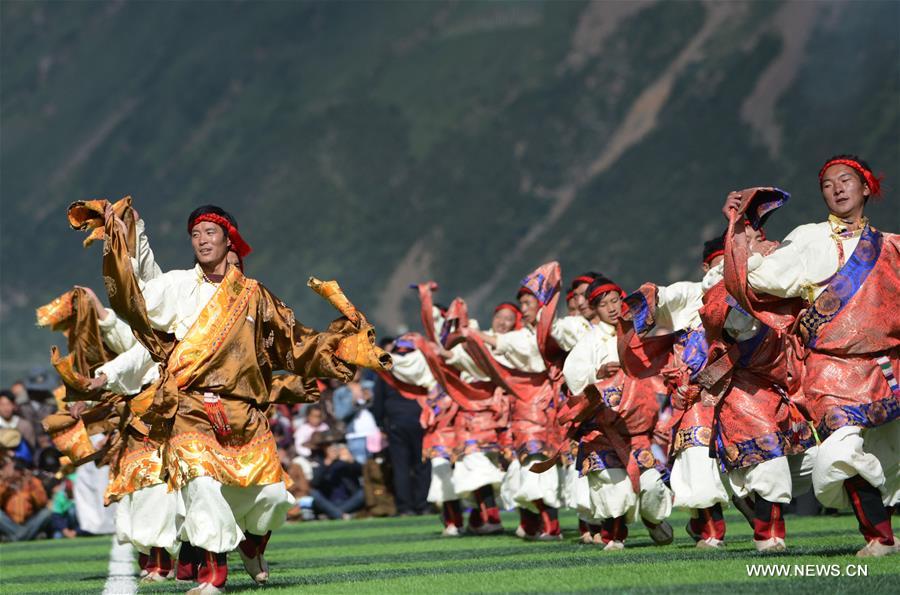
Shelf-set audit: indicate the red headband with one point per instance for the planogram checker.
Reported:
(605, 288)
(873, 182)
(241, 248)
(514, 310)
(581, 280)
(570, 295)
(710, 257)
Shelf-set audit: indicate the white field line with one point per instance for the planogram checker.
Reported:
(121, 579)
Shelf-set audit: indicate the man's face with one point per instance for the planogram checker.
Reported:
(20, 391)
(715, 261)
(609, 307)
(843, 191)
(581, 302)
(7, 408)
(529, 306)
(209, 242)
(504, 321)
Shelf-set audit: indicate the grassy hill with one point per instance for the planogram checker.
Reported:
(387, 143)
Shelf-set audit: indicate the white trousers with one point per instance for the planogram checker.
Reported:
(872, 453)
(776, 480)
(216, 516)
(148, 518)
(695, 479)
(441, 488)
(612, 496)
(532, 486)
(475, 471)
(510, 485)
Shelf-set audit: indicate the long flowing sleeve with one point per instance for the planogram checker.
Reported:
(129, 371)
(412, 368)
(566, 331)
(800, 266)
(678, 305)
(144, 262)
(116, 334)
(520, 347)
(462, 361)
(296, 348)
(584, 360)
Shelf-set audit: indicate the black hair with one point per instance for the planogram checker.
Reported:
(211, 210)
(8, 394)
(575, 282)
(714, 245)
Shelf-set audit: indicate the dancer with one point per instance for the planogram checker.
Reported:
(208, 407)
(844, 273)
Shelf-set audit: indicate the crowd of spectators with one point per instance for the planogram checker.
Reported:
(356, 452)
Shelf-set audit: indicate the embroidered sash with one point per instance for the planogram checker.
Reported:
(842, 287)
(206, 336)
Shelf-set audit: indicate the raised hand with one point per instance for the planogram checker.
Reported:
(732, 203)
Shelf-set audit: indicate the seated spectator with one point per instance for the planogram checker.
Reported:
(64, 520)
(336, 487)
(311, 425)
(10, 420)
(282, 428)
(34, 397)
(23, 503)
(363, 434)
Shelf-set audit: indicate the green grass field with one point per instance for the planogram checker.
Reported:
(407, 555)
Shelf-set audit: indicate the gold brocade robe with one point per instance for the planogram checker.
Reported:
(240, 337)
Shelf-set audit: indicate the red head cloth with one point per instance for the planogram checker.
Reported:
(241, 248)
(873, 182)
(569, 295)
(604, 288)
(512, 308)
(582, 279)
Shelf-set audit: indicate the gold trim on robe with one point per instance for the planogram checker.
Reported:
(207, 334)
(190, 455)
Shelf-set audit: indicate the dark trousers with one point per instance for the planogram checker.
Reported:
(412, 475)
(13, 531)
(336, 510)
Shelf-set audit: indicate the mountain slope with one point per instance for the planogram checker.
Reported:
(385, 143)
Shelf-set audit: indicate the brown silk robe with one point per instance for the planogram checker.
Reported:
(242, 335)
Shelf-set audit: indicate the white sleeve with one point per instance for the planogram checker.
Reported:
(782, 273)
(128, 372)
(412, 368)
(462, 361)
(160, 297)
(116, 333)
(678, 305)
(581, 365)
(568, 330)
(144, 263)
(520, 348)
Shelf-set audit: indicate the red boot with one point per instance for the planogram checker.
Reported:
(768, 526)
(550, 530)
(159, 566)
(251, 550)
(213, 573)
(873, 517)
(613, 533)
(188, 563)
